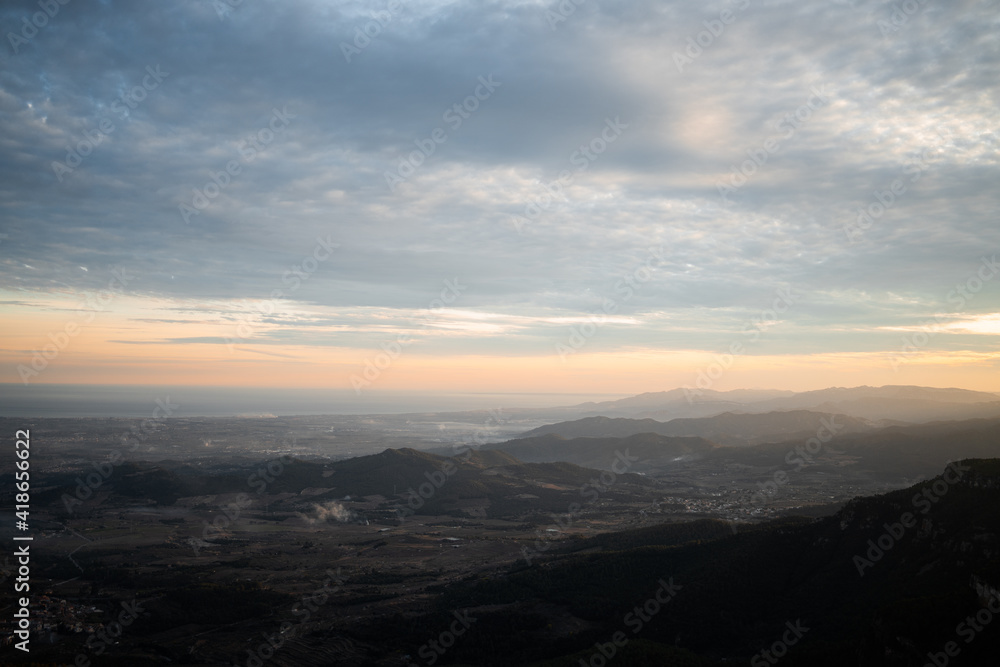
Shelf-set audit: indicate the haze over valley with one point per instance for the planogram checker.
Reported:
(221, 527)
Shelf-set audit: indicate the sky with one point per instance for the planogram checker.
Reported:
(588, 196)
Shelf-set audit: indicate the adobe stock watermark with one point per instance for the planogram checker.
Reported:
(76, 154)
(416, 498)
(98, 642)
(94, 303)
(626, 289)
(454, 116)
(432, 651)
(969, 628)
(585, 155)
(590, 492)
(305, 607)
(923, 501)
(800, 456)
(753, 329)
(249, 149)
(86, 486)
(635, 620)
(37, 21)
(391, 350)
(960, 296)
(886, 199)
(225, 7)
(259, 480)
(758, 157)
(561, 11)
(900, 16)
(779, 649)
(488, 430)
(292, 279)
(706, 38)
(364, 34)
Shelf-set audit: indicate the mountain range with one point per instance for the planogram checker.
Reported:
(891, 402)
(728, 428)
(644, 451)
(837, 445)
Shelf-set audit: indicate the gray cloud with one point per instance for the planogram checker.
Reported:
(928, 88)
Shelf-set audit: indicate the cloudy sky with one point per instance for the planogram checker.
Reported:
(509, 195)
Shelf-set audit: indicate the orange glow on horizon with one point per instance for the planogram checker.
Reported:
(121, 347)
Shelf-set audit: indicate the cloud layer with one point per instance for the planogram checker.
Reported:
(316, 171)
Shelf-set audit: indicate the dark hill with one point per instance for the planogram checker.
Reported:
(648, 450)
(481, 483)
(885, 581)
(890, 453)
(728, 428)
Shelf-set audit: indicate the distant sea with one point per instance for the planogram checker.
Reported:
(64, 400)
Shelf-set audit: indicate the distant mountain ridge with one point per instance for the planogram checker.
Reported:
(891, 402)
(889, 453)
(656, 398)
(644, 451)
(728, 428)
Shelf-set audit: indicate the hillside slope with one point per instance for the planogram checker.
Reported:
(885, 581)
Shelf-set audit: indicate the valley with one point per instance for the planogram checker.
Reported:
(386, 540)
